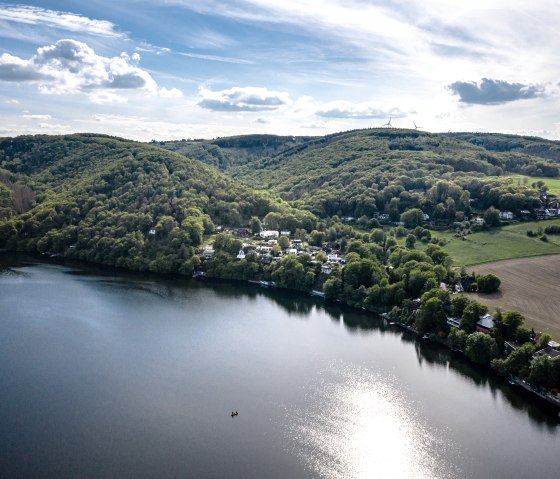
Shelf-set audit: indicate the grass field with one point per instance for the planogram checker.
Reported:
(508, 242)
(552, 183)
(530, 286)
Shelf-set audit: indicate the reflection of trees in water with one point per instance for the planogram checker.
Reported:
(299, 304)
(436, 355)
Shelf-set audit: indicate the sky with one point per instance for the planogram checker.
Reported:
(175, 69)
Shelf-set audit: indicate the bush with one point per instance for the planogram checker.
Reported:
(488, 283)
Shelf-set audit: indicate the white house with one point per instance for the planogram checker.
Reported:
(290, 251)
(333, 258)
(479, 220)
(269, 234)
(285, 233)
(326, 269)
(241, 254)
(152, 231)
(506, 215)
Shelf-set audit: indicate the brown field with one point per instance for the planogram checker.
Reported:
(530, 286)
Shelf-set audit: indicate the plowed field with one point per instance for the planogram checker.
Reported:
(530, 286)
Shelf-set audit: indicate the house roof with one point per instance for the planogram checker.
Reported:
(486, 321)
(548, 351)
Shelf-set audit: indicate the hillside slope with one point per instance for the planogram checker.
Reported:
(117, 202)
(367, 172)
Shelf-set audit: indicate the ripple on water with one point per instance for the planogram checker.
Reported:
(358, 424)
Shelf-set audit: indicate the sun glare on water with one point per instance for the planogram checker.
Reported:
(358, 425)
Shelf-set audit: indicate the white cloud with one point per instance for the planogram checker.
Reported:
(105, 97)
(70, 66)
(170, 93)
(367, 110)
(217, 58)
(37, 117)
(29, 15)
(243, 99)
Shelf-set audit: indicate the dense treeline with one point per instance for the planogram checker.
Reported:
(121, 203)
(370, 172)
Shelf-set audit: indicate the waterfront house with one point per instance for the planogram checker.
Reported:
(548, 352)
(485, 324)
(453, 322)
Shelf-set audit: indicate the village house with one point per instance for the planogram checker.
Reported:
(485, 324)
(285, 233)
(241, 254)
(327, 269)
(453, 322)
(548, 352)
(479, 220)
(506, 215)
(297, 243)
(290, 251)
(269, 234)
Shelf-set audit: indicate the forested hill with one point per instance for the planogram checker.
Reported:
(367, 172)
(118, 202)
(226, 153)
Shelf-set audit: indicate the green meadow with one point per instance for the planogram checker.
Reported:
(553, 184)
(507, 242)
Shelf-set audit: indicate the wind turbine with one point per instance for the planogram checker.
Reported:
(388, 124)
(416, 127)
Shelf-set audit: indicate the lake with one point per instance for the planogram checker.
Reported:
(106, 374)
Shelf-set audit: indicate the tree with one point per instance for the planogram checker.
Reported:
(317, 238)
(430, 317)
(255, 225)
(412, 217)
(458, 338)
(458, 304)
(510, 322)
(471, 315)
(378, 236)
(284, 242)
(481, 348)
(492, 217)
(543, 341)
(410, 241)
(488, 283)
(517, 363)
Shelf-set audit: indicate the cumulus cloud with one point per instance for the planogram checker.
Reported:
(493, 92)
(70, 66)
(243, 99)
(358, 111)
(30, 15)
(170, 93)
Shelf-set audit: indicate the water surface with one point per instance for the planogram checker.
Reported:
(112, 375)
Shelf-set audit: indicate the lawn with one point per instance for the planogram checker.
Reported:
(496, 244)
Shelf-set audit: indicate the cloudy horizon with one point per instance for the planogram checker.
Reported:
(203, 69)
